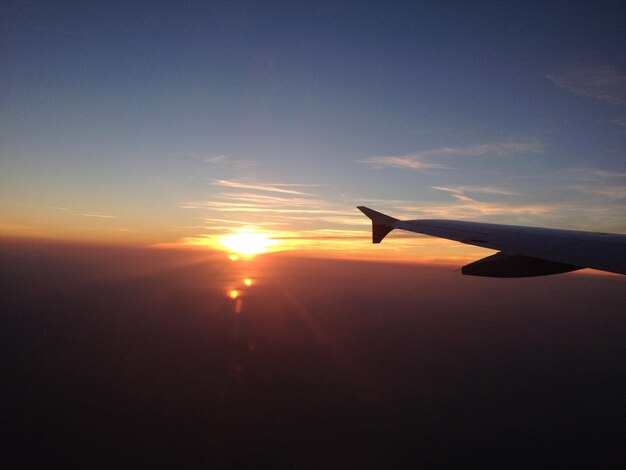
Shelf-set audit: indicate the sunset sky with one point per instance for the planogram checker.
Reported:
(138, 138)
(160, 124)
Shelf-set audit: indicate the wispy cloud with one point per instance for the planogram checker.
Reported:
(499, 149)
(620, 122)
(604, 184)
(464, 207)
(611, 174)
(101, 216)
(406, 161)
(228, 206)
(271, 187)
(604, 191)
(476, 190)
(229, 161)
(20, 229)
(68, 210)
(230, 222)
(38, 206)
(603, 83)
(296, 200)
(418, 161)
(282, 211)
(582, 199)
(216, 159)
(591, 174)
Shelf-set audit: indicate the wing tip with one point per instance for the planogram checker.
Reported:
(382, 224)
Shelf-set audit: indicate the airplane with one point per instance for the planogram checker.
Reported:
(522, 251)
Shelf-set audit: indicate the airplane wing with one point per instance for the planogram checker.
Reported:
(522, 251)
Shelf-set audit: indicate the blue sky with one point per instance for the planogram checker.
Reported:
(154, 122)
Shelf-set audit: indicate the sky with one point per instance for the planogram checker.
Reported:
(160, 124)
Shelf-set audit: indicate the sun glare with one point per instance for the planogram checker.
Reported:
(248, 242)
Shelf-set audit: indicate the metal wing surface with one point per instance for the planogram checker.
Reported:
(523, 251)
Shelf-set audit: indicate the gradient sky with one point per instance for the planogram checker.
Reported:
(156, 123)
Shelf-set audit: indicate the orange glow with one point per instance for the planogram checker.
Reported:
(247, 282)
(233, 294)
(243, 243)
(248, 242)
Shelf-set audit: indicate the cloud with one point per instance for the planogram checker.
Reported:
(407, 161)
(499, 149)
(6, 228)
(416, 161)
(603, 83)
(583, 199)
(101, 216)
(592, 174)
(610, 174)
(279, 204)
(273, 187)
(217, 159)
(299, 220)
(465, 207)
(620, 122)
(252, 198)
(228, 206)
(68, 210)
(604, 191)
(226, 160)
(476, 190)
(236, 222)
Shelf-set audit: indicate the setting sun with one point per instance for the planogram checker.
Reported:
(248, 242)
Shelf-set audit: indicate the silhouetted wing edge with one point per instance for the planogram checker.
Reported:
(519, 247)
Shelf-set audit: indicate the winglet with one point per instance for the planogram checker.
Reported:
(381, 224)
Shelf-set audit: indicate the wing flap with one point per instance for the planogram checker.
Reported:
(503, 265)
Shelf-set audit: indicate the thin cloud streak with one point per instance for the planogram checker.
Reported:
(274, 187)
(233, 207)
(217, 159)
(301, 221)
(586, 174)
(476, 190)
(269, 200)
(101, 216)
(407, 161)
(225, 160)
(593, 182)
(416, 161)
(68, 210)
(605, 191)
(603, 83)
(237, 222)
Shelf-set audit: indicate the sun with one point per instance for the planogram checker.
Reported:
(248, 242)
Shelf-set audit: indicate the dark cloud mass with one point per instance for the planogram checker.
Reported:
(124, 358)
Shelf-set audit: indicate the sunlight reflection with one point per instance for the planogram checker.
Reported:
(247, 282)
